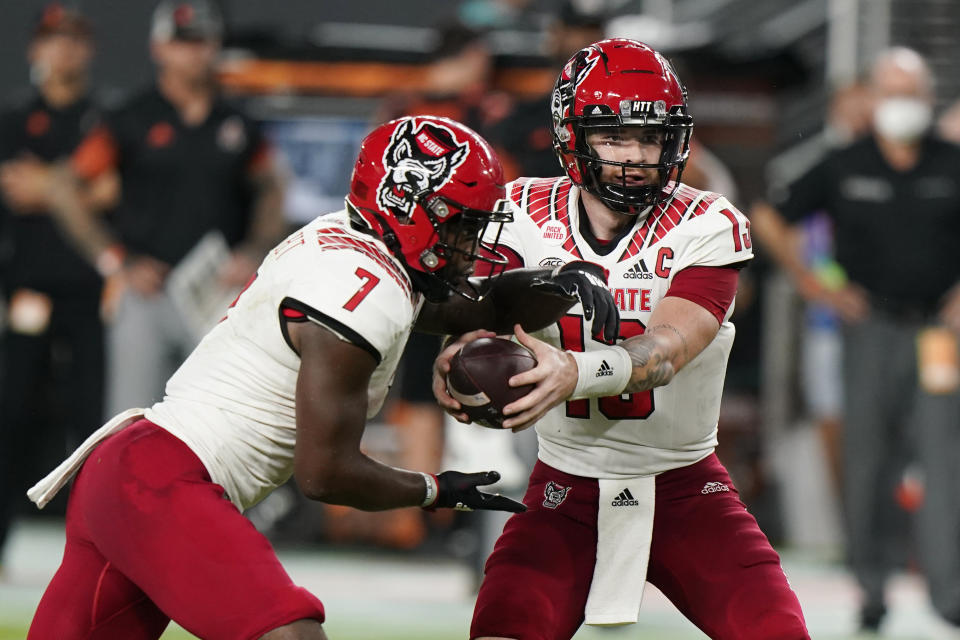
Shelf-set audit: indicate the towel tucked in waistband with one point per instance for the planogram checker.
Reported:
(624, 531)
(44, 491)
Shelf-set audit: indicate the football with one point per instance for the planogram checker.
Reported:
(478, 378)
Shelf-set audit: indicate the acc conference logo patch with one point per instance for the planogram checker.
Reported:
(417, 160)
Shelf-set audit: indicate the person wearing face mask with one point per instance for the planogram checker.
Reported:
(894, 201)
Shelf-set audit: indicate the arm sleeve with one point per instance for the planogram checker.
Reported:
(805, 195)
(713, 288)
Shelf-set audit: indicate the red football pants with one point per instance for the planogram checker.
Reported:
(707, 555)
(150, 538)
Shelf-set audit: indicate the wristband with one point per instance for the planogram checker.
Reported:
(601, 373)
(431, 496)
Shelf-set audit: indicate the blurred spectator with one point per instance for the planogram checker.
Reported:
(848, 120)
(457, 79)
(522, 135)
(894, 199)
(190, 164)
(707, 172)
(849, 117)
(53, 337)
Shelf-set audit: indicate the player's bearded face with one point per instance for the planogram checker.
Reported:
(628, 145)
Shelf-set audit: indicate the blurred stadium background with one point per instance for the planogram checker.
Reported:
(317, 74)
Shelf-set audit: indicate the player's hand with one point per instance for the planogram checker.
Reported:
(554, 379)
(587, 282)
(441, 367)
(456, 490)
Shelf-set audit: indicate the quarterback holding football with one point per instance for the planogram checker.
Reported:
(627, 487)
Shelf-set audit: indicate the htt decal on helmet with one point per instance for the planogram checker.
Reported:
(417, 162)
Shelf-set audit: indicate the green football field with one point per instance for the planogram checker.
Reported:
(376, 596)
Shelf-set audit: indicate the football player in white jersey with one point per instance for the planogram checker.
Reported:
(283, 386)
(628, 488)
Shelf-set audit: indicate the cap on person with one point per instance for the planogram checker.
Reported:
(57, 19)
(186, 20)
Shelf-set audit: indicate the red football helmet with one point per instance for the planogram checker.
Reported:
(429, 186)
(617, 83)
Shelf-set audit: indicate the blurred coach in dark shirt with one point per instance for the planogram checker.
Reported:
(189, 163)
(894, 199)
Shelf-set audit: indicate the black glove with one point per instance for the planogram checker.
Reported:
(458, 491)
(588, 282)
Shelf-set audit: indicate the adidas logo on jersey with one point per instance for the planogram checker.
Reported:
(714, 487)
(604, 370)
(625, 499)
(638, 272)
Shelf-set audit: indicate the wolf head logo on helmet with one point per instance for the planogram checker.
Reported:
(620, 83)
(417, 161)
(429, 186)
(574, 72)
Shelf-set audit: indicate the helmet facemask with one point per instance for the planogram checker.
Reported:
(621, 83)
(617, 191)
(445, 266)
(429, 187)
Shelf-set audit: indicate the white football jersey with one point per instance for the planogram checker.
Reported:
(667, 427)
(233, 400)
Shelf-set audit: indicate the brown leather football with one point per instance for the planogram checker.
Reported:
(478, 378)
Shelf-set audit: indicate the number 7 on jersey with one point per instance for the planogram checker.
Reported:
(369, 282)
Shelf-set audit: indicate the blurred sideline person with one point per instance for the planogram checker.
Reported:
(628, 488)
(522, 136)
(189, 164)
(848, 120)
(53, 345)
(283, 386)
(894, 199)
